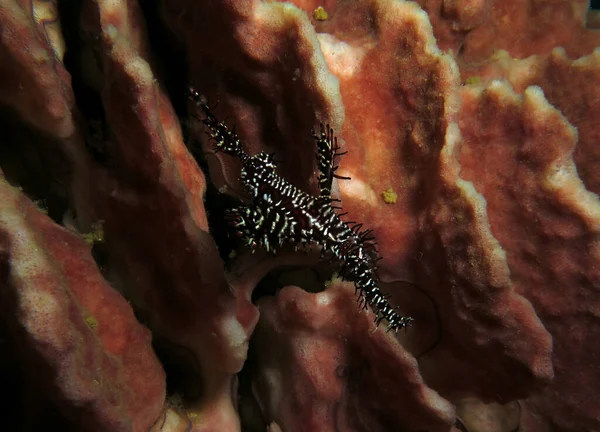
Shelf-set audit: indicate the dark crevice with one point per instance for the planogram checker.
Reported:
(172, 73)
(184, 381)
(310, 279)
(172, 68)
(90, 111)
(36, 164)
(251, 415)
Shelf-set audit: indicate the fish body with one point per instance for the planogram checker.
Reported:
(280, 213)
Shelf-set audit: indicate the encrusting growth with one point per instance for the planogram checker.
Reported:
(281, 213)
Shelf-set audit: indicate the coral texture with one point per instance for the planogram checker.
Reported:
(525, 178)
(471, 132)
(572, 86)
(320, 365)
(78, 336)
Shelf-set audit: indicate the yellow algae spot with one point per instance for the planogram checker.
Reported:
(389, 196)
(91, 322)
(96, 235)
(320, 14)
(335, 278)
(192, 415)
(474, 80)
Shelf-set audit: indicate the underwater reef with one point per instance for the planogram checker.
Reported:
(472, 132)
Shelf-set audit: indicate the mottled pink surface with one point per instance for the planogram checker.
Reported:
(78, 336)
(572, 86)
(475, 29)
(487, 228)
(321, 366)
(551, 253)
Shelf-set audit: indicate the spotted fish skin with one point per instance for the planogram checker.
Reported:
(280, 213)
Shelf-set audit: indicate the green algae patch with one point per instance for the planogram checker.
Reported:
(474, 80)
(96, 235)
(91, 322)
(389, 196)
(320, 14)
